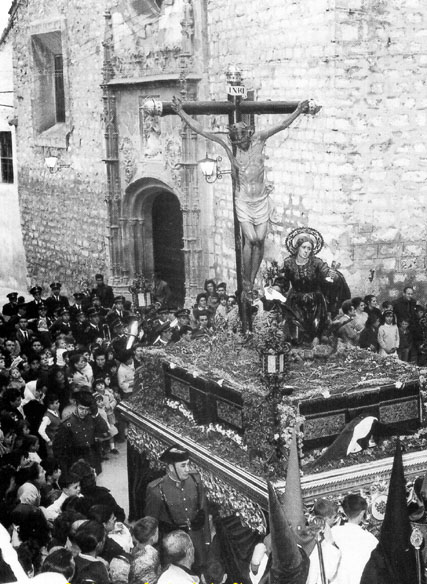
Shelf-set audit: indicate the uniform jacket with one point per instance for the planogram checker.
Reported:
(105, 294)
(75, 438)
(53, 302)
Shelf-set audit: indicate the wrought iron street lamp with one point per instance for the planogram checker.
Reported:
(211, 170)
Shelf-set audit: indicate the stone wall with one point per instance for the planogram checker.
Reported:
(356, 172)
(12, 257)
(64, 216)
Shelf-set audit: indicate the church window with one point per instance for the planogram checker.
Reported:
(49, 88)
(6, 159)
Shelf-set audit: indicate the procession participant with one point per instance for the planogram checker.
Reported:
(164, 335)
(61, 326)
(78, 328)
(55, 300)
(354, 542)
(183, 320)
(93, 329)
(77, 307)
(77, 436)
(162, 316)
(177, 500)
(43, 324)
(120, 338)
(103, 292)
(33, 305)
(85, 290)
(11, 307)
(96, 303)
(118, 312)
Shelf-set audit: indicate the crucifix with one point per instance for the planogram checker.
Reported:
(251, 191)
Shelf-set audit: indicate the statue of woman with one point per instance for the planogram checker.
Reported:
(312, 283)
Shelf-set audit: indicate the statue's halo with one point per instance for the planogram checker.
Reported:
(313, 234)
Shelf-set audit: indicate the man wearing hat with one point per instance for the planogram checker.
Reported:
(62, 325)
(11, 307)
(93, 329)
(103, 292)
(77, 436)
(164, 335)
(177, 500)
(182, 319)
(118, 312)
(78, 306)
(55, 300)
(33, 306)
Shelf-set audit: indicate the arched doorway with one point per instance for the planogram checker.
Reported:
(153, 238)
(168, 257)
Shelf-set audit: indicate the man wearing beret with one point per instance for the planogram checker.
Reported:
(177, 500)
(55, 300)
(77, 436)
(103, 291)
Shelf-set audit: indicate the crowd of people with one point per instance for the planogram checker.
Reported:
(63, 369)
(393, 329)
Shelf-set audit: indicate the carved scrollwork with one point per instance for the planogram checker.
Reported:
(129, 162)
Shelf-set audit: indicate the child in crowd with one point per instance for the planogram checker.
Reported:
(31, 444)
(405, 341)
(70, 486)
(103, 403)
(388, 335)
(50, 422)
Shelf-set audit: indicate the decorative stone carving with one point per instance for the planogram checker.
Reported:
(128, 154)
(173, 157)
(151, 131)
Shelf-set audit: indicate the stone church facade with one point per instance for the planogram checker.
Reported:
(127, 196)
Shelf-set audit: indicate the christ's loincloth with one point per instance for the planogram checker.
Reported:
(256, 210)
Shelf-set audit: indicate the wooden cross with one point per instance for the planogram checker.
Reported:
(235, 108)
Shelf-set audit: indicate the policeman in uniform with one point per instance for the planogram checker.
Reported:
(182, 317)
(55, 301)
(11, 308)
(33, 305)
(178, 501)
(77, 436)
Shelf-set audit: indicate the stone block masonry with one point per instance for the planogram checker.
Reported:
(64, 215)
(356, 172)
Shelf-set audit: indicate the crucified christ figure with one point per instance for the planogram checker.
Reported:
(252, 201)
